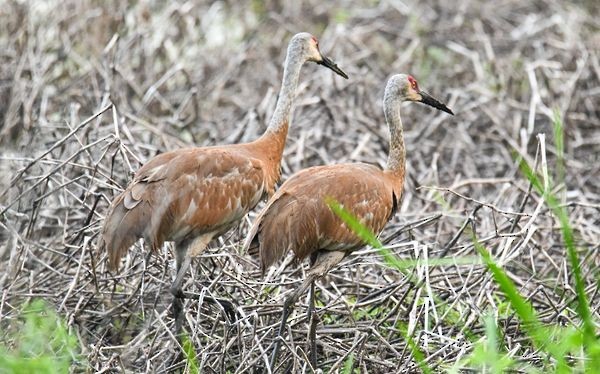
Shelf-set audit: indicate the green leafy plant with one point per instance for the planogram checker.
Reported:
(588, 328)
(348, 365)
(567, 349)
(37, 342)
(190, 355)
(487, 354)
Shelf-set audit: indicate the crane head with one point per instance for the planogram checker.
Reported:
(310, 47)
(410, 91)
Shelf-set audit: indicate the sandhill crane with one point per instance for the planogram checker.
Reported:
(190, 196)
(297, 217)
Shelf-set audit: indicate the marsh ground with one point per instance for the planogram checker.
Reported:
(90, 90)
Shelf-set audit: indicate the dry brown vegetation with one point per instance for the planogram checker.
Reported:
(89, 90)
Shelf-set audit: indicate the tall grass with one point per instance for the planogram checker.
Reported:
(564, 349)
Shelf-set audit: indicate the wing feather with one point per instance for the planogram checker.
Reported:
(180, 194)
(298, 218)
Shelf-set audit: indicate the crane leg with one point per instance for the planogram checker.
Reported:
(324, 262)
(288, 306)
(312, 330)
(182, 262)
(311, 301)
(183, 257)
(181, 268)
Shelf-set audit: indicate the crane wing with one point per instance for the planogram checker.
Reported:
(183, 193)
(298, 218)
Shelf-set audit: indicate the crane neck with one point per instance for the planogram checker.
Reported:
(270, 145)
(279, 123)
(396, 163)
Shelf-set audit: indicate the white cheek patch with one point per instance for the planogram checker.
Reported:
(316, 54)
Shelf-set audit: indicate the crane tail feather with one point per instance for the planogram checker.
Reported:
(122, 227)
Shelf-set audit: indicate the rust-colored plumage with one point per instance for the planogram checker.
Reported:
(297, 218)
(188, 193)
(190, 196)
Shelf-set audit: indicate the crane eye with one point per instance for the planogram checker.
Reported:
(413, 83)
(316, 41)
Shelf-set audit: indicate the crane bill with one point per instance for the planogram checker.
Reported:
(327, 62)
(431, 101)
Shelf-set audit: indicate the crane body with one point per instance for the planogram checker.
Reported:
(190, 196)
(298, 219)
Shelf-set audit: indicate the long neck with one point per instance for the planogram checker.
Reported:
(396, 163)
(278, 126)
(272, 142)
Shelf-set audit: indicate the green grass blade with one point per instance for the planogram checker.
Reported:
(487, 354)
(559, 145)
(365, 234)
(524, 310)
(354, 225)
(348, 364)
(190, 355)
(415, 351)
(583, 307)
(451, 316)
